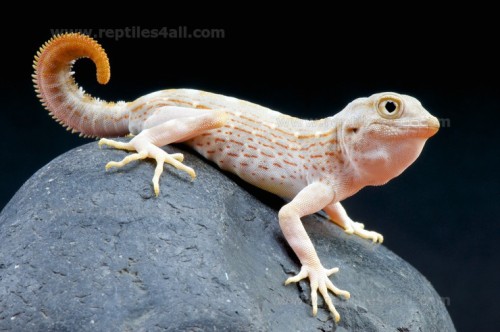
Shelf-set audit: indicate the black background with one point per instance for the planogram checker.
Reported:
(441, 215)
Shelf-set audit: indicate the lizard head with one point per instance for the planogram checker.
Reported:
(383, 134)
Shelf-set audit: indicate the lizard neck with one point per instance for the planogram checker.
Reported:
(329, 158)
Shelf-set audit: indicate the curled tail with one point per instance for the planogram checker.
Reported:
(61, 96)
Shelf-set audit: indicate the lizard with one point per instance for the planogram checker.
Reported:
(313, 164)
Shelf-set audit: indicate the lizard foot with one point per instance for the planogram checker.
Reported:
(359, 229)
(318, 278)
(147, 150)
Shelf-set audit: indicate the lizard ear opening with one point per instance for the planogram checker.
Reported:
(390, 107)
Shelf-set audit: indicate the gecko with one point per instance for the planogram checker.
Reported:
(312, 164)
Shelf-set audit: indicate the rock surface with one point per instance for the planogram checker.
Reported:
(82, 249)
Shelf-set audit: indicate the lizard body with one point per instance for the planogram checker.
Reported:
(313, 163)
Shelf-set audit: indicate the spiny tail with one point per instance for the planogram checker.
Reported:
(61, 96)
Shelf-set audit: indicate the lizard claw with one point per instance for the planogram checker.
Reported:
(359, 229)
(318, 278)
(145, 150)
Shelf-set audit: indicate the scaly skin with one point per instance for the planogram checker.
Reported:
(315, 164)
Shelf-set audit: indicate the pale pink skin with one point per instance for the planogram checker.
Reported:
(315, 164)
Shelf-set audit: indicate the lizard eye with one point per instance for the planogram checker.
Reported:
(390, 107)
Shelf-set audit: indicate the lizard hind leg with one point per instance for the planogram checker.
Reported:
(147, 142)
(129, 147)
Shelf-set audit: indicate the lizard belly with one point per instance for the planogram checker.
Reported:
(252, 161)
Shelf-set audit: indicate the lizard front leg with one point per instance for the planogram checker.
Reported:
(338, 215)
(148, 141)
(309, 200)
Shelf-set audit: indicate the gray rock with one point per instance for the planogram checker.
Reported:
(87, 250)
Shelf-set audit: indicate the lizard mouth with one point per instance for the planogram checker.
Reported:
(418, 128)
(423, 128)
